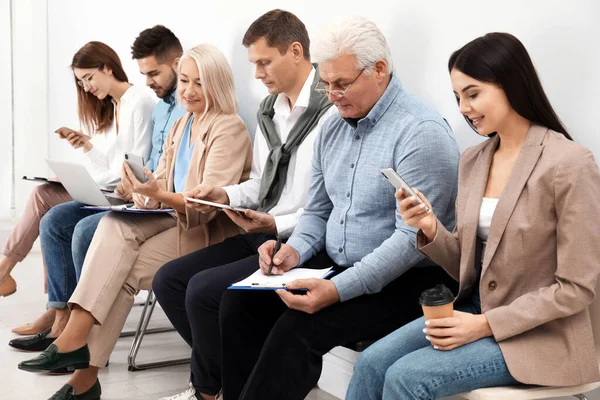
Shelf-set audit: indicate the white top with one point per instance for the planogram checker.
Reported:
(486, 212)
(295, 192)
(135, 136)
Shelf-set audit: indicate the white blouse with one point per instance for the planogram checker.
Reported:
(135, 136)
(486, 212)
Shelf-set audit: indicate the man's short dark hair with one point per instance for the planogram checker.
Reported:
(159, 42)
(280, 29)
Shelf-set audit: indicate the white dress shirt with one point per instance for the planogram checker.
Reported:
(134, 136)
(294, 195)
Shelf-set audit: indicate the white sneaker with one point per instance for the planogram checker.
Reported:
(189, 394)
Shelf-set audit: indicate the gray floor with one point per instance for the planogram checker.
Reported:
(117, 382)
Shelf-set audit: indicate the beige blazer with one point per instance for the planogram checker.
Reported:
(222, 156)
(542, 258)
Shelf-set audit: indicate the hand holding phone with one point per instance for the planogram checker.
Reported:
(413, 207)
(63, 132)
(136, 163)
(399, 183)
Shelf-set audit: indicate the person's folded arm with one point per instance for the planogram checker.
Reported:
(577, 204)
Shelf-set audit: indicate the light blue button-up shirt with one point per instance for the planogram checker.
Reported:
(351, 210)
(183, 158)
(165, 113)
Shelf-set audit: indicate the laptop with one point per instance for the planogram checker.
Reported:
(81, 186)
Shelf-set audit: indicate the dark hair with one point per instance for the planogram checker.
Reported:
(502, 59)
(280, 29)
(159, 42)
(95, 114)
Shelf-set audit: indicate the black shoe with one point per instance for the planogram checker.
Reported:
(68, 393)
(39, 342)
(51, 360)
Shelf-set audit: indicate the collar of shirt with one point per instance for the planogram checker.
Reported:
(392, 91)
(128, 93)
(282, 103)
(172, 99)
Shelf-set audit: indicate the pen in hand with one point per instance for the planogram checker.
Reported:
(277, 247)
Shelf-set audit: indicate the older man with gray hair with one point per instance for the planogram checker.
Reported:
(350, 221)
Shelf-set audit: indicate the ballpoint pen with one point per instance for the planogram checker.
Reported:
(277, 247)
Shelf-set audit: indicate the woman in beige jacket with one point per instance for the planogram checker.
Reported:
(524, 248)
(210, 144)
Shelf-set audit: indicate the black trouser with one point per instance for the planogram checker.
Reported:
(271, 352)
(190, 288)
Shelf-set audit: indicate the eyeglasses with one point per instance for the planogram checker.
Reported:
(83, 82)
(321, 87)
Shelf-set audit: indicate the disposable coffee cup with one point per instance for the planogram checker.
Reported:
(437, 302)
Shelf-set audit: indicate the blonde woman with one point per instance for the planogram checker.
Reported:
(210, 144)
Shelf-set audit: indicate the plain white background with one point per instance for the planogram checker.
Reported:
(561, 36)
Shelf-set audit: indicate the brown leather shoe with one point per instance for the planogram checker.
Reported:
(8, 287)
(31, 329)
(40, 324)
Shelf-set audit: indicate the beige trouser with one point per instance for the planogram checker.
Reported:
(125, 253)
(41, 200)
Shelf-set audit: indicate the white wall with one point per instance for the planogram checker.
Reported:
(30, 52)
(559, 35)
(6, 172)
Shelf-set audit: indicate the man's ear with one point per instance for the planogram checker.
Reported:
(381, 69)
(297, 51)
(175, 63)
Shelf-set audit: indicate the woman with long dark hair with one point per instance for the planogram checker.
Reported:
(523, 249)
(115, 118)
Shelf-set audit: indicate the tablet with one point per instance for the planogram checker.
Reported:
(218, 205)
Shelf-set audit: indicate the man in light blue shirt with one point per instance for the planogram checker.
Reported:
(351, 221)
(157, 51)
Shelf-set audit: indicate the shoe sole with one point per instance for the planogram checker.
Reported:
(69, 368)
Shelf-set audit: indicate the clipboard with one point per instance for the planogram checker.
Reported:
(260, 281)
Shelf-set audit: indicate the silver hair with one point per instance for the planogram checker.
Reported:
(353, 35)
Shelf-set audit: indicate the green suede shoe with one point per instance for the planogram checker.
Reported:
(51, 359)
(68, 393)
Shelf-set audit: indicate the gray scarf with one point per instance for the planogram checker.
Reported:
(276, 167)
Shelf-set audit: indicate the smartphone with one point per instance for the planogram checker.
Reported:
(399, 183)
(136, 163)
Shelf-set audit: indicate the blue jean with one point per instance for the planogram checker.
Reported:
(404, 365)
(66, 232)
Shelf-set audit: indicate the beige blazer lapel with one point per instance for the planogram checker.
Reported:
(478, 178)
(524, 165)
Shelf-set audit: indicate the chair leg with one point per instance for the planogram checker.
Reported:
(580, 396)
(141, 330)
(147, 331)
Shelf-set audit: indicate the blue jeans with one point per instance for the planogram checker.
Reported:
(66, 232)
(404, 365)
